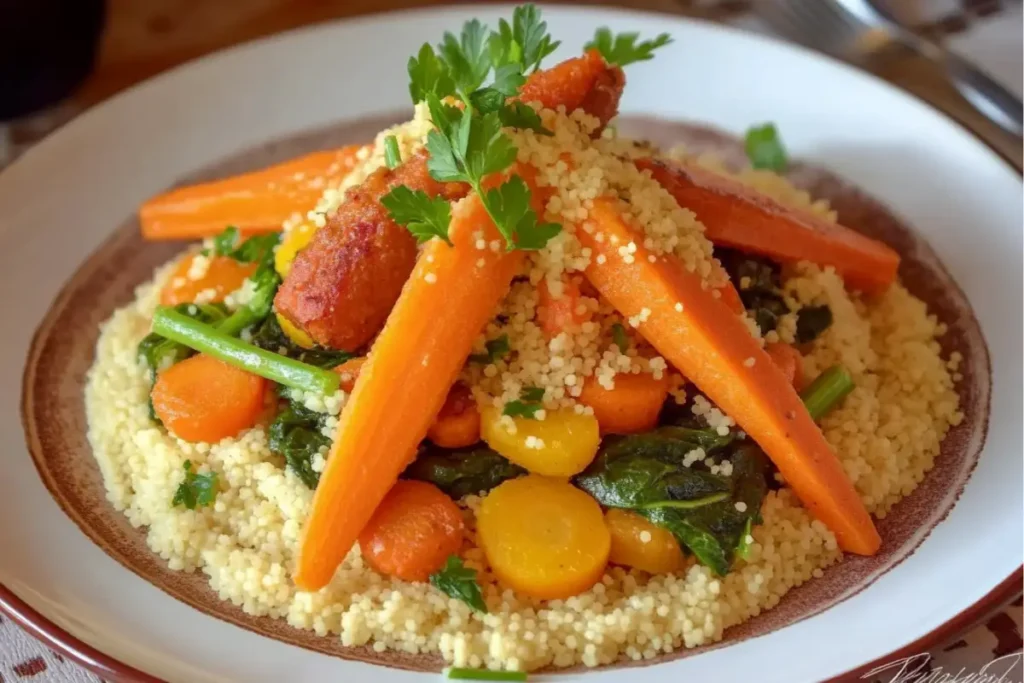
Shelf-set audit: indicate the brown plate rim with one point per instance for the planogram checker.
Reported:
(111, 669)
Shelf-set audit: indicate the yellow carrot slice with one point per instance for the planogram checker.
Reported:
(254, 202)
(450, 296)
(698, 334)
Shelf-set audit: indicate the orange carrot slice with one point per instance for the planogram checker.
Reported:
(712, 347)
(255, 202)
(412, 532)
(205, 399)
(222, 276)
(632, 406)
(458, 423)
(737, 216)
(452, 293)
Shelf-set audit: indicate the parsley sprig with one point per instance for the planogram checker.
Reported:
(764, 148)
(196, 490)
(468, 142)
(622, 49)
(527, 405)
(458, 581)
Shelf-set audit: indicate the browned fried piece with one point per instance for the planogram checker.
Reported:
(342, 286)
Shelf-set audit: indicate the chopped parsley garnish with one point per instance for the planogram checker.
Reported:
(458, 673)
(422, 215)
(619, 337)
(467, 144)
(764, 148)
(529, 402)
(459, 582)
(496, 348)
(392, 156)
(623, 49)
(197, 490)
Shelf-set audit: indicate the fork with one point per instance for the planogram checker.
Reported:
(853, 30)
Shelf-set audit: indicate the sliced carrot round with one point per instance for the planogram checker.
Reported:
(412, 532)
(458, 423)
(222, 276)
(204, 399)
(633, 405)
(543, 537)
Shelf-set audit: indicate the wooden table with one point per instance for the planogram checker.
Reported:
(145, 38)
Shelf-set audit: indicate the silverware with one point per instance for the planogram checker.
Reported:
(853, 30)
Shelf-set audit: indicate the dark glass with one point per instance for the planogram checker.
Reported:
(47, 48)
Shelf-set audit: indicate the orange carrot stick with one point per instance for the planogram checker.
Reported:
(450, 296)
(205, 399)
(711, 346)
(412, 532)
(259, 201)
(737, 216)
(789, 361)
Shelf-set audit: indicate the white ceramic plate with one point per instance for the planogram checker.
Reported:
(60, 201)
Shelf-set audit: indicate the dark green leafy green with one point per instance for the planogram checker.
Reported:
(764, 148)
(622, 49)
(462, 472)
(269, 336)
(759, 282)
(811, 322)
(458, 581)
(497, 348)
(196, 490)
(295, 434)
(645, 473)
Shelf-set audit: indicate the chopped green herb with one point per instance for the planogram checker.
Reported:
(458, 673)
(459, 582)
(533, 394)
(392, 155)
(468, 144)
(764, 148)
(197, 490)
(528, 404)
(619, 337)
(622, 49)
(496, 348)
(826, 391)
(424, 216)
(296, 435)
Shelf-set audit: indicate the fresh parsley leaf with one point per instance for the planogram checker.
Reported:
(522, 116)
(511, 201)
(496, 348)
(442, 163)
(392, 155)
(424, 216)
(467, 56)
(508, 79)
(526, 42)
(764, 148)
(459, 582)
(619, 336)
(488, 149)
(623, 48)
(486, 100)
(224, 243)
(197, 490)
(532, 394)
(428, 75)
(445, 116)
(527, 405)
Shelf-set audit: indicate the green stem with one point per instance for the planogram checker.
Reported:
(463, 674)
(687, 504)
(826, 391)
(217, 343)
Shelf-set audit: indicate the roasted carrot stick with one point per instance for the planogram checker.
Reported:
(585, 82)
(450, 296)
(736, 216)
(255, 202)
(711, 346)
(789, 361)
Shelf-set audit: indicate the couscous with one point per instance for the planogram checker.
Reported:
(510, 388)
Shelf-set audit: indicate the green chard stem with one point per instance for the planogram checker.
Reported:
(218, 343)
(826, 391)
(462, 674)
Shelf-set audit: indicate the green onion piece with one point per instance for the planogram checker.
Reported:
(392, 157)
(458, 673)
(205, 338)
(826, 391)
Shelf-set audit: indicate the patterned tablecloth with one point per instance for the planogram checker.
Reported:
(987, 31)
